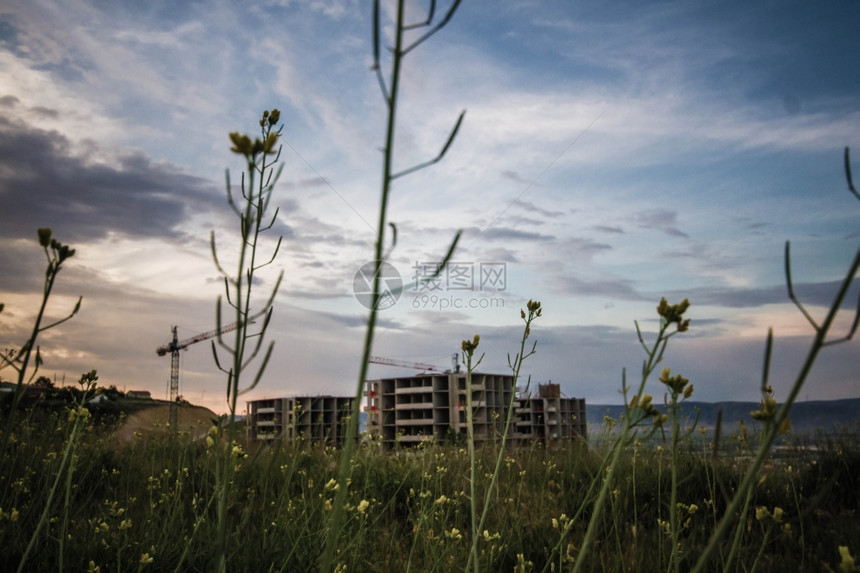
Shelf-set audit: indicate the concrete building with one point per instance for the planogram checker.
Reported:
(409, 410)
(550, 416)
(315, 418)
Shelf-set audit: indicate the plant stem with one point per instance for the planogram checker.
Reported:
(335, 523)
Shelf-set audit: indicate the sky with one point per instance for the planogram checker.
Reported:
(611, 153)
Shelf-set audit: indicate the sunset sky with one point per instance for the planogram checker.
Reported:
(611, 153)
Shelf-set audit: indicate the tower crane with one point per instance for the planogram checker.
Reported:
(173, 347)
(413, 365)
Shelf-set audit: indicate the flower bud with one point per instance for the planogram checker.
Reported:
(44, 236)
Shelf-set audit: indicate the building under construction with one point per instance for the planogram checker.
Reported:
(412, 409)
(431, 406)
(550, 416)
(409, 410)
(314, 418)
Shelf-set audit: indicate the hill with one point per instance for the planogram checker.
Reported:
(153, 420)
(806, 417)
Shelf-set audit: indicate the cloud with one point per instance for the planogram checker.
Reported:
(578, 248)
(608, 229)
(532, 208)
(810, 294)
(45, 184)
(660, 219)
(508, 234)
(515, 177)
(613, 289)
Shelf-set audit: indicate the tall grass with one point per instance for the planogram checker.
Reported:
(252, 210)
(145, 506)
(386, 231)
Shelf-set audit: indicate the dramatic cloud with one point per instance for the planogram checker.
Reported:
(47, 183)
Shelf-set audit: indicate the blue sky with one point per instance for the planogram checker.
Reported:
(611, 154)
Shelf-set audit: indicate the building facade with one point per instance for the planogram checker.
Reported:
(550, 416)
(409, 410)
(314, 418)
(412, 409)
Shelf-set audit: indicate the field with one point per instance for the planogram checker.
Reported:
(149, 504)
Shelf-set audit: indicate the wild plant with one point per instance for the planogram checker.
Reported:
(19, 359)
(640, 411)
(78, 415)
(680, 514)
(515, 364)
(390, 92)
(262, 155)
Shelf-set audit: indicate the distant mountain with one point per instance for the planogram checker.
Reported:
(806, 417)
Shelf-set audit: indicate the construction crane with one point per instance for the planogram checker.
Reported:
(413, 365)
(173, 347)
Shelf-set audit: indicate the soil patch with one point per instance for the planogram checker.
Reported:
(153, 421)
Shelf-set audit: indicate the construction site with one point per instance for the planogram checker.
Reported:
(430, 406)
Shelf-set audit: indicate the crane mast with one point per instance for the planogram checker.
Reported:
(173, 347)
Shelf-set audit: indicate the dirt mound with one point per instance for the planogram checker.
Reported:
(194, 419)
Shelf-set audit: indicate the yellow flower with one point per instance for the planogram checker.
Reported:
(332, 485)
(363, 505)
(847, 564)
(777, 514)
(469, 347)
(522, 565)
(646, 401)
(145, 559)
(674, 313)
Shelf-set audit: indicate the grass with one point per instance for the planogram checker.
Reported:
(407, 510)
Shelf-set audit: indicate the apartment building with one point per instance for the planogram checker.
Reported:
(315, 418)
(409, 410)
(550, 416)
(432, 406)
